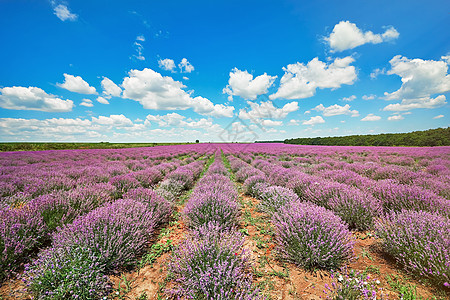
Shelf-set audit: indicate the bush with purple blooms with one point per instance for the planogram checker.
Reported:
(212, 205)
(274, 198)
(123, 183)
(251, 185)
(420, 242)
(161, 208)
(353, 286)
(211, 264)
(67, 273)
(20, 232)
(355, 207)
(312, 236)
(396, 197)
(118, 232)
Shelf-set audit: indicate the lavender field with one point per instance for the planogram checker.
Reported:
(226, 221)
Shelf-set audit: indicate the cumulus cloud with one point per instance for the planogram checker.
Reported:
(335, 110)
(167, 64)
(371, 117)
(113, 121)
(32, 98)
(421, 79)
(158, 92)
(375, 73)
(185, 66)
(347, 35)
(110, 88)
(438, 117)
(314, 121)
(266, 110)
(408, 104)
(102, 100)
(242, 84)
(349, 99)
(76, 84)
(294, 122)
(63, 13)
(140, 38)
(87, 103)
(396, 118)
(368, 97)
(301, 81)
(177, 120)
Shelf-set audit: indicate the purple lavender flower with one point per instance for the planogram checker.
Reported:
(312, 236)
(419, 241)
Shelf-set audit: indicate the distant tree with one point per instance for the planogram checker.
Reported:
(197, 141)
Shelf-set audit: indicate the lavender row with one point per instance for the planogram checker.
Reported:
(211, 262)
(306, 234)
(103, 241)
(27, 223)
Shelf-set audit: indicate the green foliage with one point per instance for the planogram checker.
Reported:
(61, 146)
(427, 138)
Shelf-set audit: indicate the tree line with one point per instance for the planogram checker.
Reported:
(426, 138)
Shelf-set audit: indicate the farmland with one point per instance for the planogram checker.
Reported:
(226, 221)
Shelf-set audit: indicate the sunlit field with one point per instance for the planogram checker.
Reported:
(226, 221)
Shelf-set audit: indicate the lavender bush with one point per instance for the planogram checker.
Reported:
(420, 242)
(353, 286)
(118, 232)
(67, 273)
(312, 236)
(250, 184)
(213, 265)
(274, 198)
(160, 207)
(20, 231)
(355, 207)
(396, 197)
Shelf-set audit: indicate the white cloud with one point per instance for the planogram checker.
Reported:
(368, 97)
(421, 79)
(271, 123)
(438, 117)
(63, 13)
(294, 122)
(185, 78)
(375, 73)
(32, 98)
(76, 84)
(347, 35)
(177, 120)
(155, 91)
(139, 48)
(185, 66)
(349, 99)
(242, 83)
(371, 117)
(87, 103)
(167, 64)
(335, 110)
(408, 104)
(266, 110)
(314, 121)
(307, 112)
(110, 88)
(396, 118)
(102, 100)
(113, 120)
(301, 81)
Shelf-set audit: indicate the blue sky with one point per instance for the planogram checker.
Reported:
(144, 71)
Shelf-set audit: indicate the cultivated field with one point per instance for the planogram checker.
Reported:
(226, 221)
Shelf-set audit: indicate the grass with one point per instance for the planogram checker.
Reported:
(65, 146)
